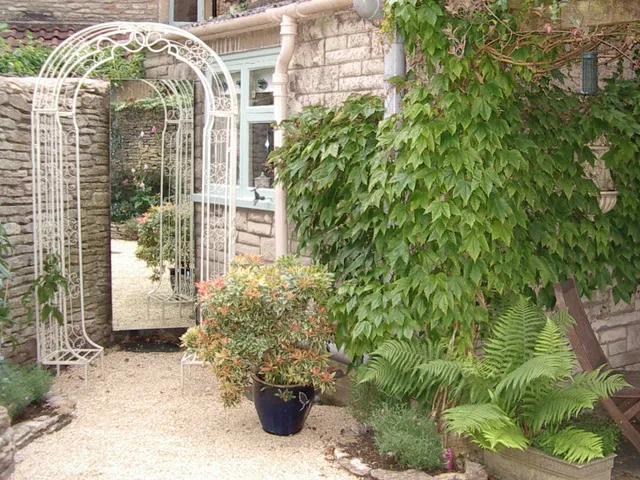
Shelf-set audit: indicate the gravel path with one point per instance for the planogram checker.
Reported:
(135, 424)
(130, 284)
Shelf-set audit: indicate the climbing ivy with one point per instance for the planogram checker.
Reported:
(477, 189)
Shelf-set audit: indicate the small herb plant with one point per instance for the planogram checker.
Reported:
(266, 320)
(408, 434)
(22, 386)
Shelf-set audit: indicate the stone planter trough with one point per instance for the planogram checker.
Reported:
(532, 464)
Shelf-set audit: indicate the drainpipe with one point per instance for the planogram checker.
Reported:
(288, 32)
(394, 66)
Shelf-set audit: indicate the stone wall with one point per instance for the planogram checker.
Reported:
(7, 447)
(80, 12)
(617, 327)
(16, 204)
(335, 56)
(134, 145)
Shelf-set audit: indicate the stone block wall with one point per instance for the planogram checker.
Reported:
(617, 327)
(79, 12)
(16, 204)
(132, 150)
(335, 56)
(7, 446)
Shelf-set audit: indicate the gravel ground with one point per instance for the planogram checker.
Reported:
(130, 285)
(135, 424)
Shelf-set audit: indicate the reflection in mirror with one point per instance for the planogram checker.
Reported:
(152, 183)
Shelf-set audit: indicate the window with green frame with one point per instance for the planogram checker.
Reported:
(252, 73)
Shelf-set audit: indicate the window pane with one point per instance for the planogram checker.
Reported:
(185, 10)
(260, 145)
(261, 84)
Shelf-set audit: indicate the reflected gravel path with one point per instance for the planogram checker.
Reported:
(130, 284)
(135, 424)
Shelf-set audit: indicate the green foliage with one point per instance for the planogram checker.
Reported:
(43, 291)
(606, 429)
(150, 233)
(365, 398)
(531, 389)
(265, 320)
(409, 434)
(6, 320)
(155, 102)
(521, 388)
(477, 189)
(26, 58)
(22, 386)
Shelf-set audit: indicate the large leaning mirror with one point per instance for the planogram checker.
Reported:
(152, 211)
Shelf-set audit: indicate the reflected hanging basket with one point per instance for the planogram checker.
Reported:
(607, 200)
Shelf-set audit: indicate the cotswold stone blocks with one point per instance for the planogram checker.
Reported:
(16, 208)
(352, 55)
(79, 12)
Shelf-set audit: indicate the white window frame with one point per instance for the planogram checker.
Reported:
(244, 63)
(172, 13)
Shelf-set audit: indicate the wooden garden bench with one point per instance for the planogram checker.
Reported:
(625, 404)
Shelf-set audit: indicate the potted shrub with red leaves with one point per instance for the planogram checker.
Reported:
(266, 325)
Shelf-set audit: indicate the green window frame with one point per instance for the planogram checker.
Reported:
(243, 64)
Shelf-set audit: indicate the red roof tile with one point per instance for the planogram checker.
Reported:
(46, 33)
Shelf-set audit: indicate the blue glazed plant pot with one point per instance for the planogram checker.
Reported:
(278, 416)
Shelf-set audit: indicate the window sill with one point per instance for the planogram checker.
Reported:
(268, 204)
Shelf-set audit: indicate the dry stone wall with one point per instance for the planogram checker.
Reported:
(79, 12)
(16, 204)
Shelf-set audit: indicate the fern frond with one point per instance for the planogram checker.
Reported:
(552, 340)
(513, 385)
(447, 372)
(392, 367)
(575, 445)
(563, 320)
(513, 337)
(467, 419)
(559, 405)
(502, 436)
(602, 383)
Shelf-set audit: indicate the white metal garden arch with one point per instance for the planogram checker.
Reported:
(56, 158)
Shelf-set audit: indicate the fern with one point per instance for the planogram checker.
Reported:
(575, 445)
(527, 368)
(520, 387)
(392, 367)
(514, 336)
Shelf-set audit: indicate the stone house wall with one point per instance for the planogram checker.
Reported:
(16, 204)
(335, 56)
(338, 55)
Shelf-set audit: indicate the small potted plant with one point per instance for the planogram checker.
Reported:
(149, 241)
(266, 325)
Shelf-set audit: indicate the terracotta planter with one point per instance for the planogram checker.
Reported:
(532, 464)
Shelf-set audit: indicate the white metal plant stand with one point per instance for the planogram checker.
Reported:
(56, 157)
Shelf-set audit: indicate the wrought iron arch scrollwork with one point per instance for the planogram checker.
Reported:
(57, 205)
